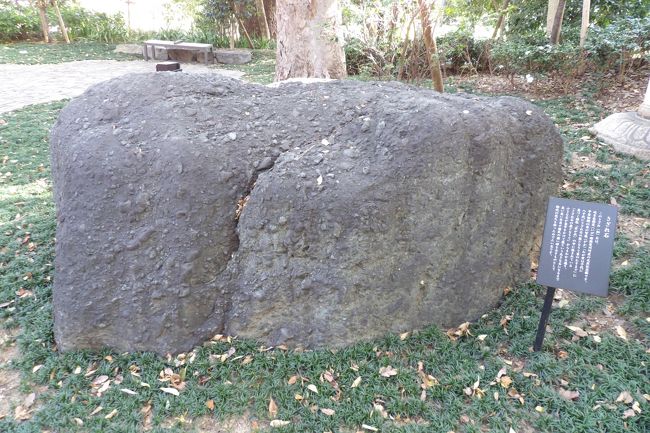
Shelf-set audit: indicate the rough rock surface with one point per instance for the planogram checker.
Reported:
(233, 57)
(364, 208)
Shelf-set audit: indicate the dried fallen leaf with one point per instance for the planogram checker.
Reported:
(100, 380)
(29, 400)
(292, 380)
(111, 414)
(279, 423)
(328, 412)
(312, 388)
(568, 395)
(356, 382)
(578, 331)
(172, 391)
(597, 338)
(21, 413)
(540, 409)
(620, 331)
(625, 397)
(210, 404)
(369, 427)
(629, 413)
(36, 368)
(78, 421)
(481, 337)
(96, 411)
(506, 381)
(273, 408)
(128, 391)
(404, 336)
(387, 371)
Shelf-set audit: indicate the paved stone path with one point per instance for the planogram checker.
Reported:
(22, 85)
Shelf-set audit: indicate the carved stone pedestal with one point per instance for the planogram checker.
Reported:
(628, 132)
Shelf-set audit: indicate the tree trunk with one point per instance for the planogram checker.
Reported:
(586, 5)
(431, 46)
(557, 22)
(498, 28)
(61, 23)
(261, 16)
(232, 34)
(550, 16)
(45, 25)
(309, 39)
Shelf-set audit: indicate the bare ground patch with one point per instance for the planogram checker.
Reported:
(637, 229)
(10, 396)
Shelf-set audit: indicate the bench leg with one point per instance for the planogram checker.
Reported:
(146, 52)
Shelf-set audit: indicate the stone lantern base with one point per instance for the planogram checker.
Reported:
(627, 132)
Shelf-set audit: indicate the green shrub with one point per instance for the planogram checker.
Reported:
(621, 44)
(460, 52)
(22, 23)
(88, 26)
(519, 57)
(18, 22)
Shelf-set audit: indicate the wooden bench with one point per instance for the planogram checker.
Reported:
(176, 45)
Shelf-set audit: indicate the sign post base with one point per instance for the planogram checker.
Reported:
(543, 320)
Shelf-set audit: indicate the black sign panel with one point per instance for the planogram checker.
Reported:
(577, 246)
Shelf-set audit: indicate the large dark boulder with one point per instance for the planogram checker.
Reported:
(311, 214)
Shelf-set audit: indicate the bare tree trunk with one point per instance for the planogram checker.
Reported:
(550, 16)
(60, 18)
(45, 25)
(261, 15)
(431, 46)
(309, 42)
(586, 5)
(498, 28)
(232, 34)
(557, 22)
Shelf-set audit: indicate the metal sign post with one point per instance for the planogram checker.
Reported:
(577, 250)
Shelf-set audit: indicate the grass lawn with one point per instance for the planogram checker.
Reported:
(39, 53)
(591, 378)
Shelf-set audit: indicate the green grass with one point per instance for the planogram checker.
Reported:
(260, 70)
(246, 381)
(35, 53)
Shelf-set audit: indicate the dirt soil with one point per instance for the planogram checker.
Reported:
(609, 92)
(10, 396)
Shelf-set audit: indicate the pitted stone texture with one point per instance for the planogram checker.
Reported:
(367, 208)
